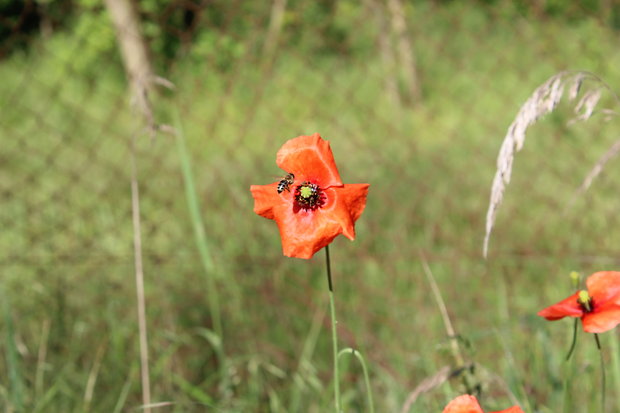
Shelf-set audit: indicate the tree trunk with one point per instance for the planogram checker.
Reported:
(134, 51)
(273, 34)
(405, 50)
(140, 77)
(388, 59)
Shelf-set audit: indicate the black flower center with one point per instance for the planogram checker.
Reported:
(309, 196)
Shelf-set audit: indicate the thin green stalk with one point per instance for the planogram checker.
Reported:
(122, 398)
(600, 352)
(615, 361)
(568, 373)
(572, 346)
(15, 379)
(359, 356)
(198, 225)
(332, 308)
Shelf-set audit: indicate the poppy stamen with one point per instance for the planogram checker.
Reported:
(309, 196)
(585, 301)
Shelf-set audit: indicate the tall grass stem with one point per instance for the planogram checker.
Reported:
(15, 377)
(199, 228)
(122, 398)
(141, 302)
(332, 308)
(304, 359)
(467, 376)
(615, 361)
(41, 357)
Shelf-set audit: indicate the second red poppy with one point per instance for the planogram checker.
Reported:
(598, 306)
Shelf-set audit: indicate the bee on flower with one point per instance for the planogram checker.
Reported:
(285, 183)
(311, 214)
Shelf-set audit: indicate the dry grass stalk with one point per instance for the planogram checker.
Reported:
(143, 104)
(427, 385)
(92, 378)
(451, 333)
(41, 359)
(464, 372)
(610, 154)
(543, 101)
(141, 301)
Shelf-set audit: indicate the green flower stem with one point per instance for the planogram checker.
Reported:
(332, 308)
(572, 346)
(359, 356)
(600, 351)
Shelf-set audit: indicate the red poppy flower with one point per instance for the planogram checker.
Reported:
(469, 404)
(311, 205)
(598, 307)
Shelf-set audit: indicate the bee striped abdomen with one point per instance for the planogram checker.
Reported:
(285, 183)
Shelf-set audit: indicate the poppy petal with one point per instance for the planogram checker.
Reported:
(310, 221)
(469, 404)
(602, 319)
(345, 205)
(569, 307)
(604, 286)
(463, 404)
(303, 232)
(513, 409)
(266, 197)
(309, 158)
(355, 198)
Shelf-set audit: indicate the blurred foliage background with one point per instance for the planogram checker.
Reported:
(415, 98)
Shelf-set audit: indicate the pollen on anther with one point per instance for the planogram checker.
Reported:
(309, 196)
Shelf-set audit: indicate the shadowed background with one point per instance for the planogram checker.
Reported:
(415, 98)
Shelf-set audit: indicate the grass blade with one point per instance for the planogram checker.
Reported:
(199, 231)
(358, 355)
(15, 376)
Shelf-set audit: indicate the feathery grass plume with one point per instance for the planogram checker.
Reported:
(543, 101)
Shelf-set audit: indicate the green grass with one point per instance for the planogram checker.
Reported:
(65, 227)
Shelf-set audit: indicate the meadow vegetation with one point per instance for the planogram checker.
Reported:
(69, 341)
